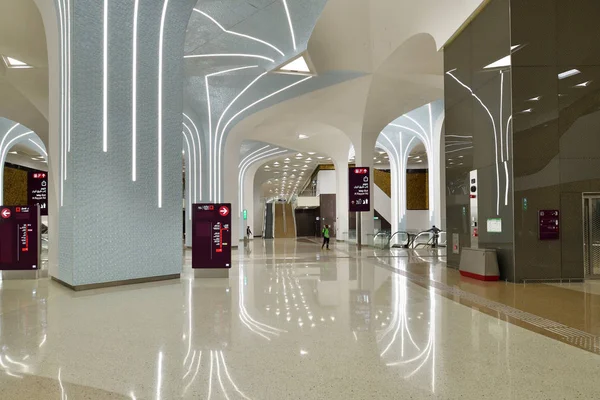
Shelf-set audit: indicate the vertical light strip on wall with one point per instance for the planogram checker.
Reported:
(61, 122)
(105, 81)
(501, 108)
(199, 152)
(160, 100)
(189, 154)
(289, 18)
(134, 94)
(68, 23)
(195, 178)
(432, 168)
(243, 110)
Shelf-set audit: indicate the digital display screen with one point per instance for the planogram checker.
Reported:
(549, 224)
(211, 236)
(19, 238)
(37, 186)
(360, 189)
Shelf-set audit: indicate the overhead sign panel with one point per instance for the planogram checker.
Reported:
(211, 236)
(19, 238)
(37, 186)
(360, 189)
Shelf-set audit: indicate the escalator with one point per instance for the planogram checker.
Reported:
(268, 228)
(285, 222)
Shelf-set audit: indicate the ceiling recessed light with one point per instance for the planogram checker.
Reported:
(312, 153)
(566, 74)
(298, 65)
(583, 84)
(501, 63)
(529, 110)
(537, 98)
(302, 136)
(12, 152)
(14, 63)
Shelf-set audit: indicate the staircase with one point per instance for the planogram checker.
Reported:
(285, 223)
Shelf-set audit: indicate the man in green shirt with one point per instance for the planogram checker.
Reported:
(325, 237)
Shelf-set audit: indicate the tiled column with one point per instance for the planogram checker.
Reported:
(119, 140)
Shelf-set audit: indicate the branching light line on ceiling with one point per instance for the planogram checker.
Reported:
(239, 34)
(289, 18)
(229, 55)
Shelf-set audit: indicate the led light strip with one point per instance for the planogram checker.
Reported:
(210, 133)
(160, 100)
(396, 169)
(189, 154)
(195, 176)
(105, 80)
(240, 112)
(219, 135)
(289, 18)
(229, 55)
(495, 139)
(41, 148)
(239, 34)
(134, 94)
(199, 151)
(249, 161)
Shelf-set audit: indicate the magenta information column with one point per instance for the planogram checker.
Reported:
(211, 236)
(359, 197)
(19, 238)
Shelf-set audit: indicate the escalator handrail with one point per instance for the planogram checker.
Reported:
(408, 242)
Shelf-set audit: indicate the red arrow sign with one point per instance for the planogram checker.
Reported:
(224, 211)
(5, 213)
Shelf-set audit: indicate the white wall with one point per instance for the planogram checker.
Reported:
(326, 182)
(417, 220)
(305, 201)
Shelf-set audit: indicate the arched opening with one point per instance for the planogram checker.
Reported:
(24, 175)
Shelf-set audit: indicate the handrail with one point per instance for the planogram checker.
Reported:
(408, 242)
(429, 241)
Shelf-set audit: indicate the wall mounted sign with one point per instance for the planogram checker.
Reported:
(19, 238)
(549, 224)
(37, 186)
(494, 225)
(360, 189)
(211, 236)
(245, 214)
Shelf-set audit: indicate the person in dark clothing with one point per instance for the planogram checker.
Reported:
(248, 232)
(325, 237)
(436, 234)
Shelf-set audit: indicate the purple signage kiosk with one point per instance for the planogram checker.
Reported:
(359, 196)
(211, 238)
(19, 238)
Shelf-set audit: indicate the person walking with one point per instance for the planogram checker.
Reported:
(248, 232)
(325, 237)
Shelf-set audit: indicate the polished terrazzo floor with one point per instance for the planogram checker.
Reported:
(291, 322)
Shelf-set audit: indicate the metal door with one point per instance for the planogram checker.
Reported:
(591, 236)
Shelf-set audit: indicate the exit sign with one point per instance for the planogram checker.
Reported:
(245, 213)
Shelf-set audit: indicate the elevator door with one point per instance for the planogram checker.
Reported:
(591, 235)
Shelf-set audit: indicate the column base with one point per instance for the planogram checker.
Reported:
(210, 273)
(91, 286)
(15, 275)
